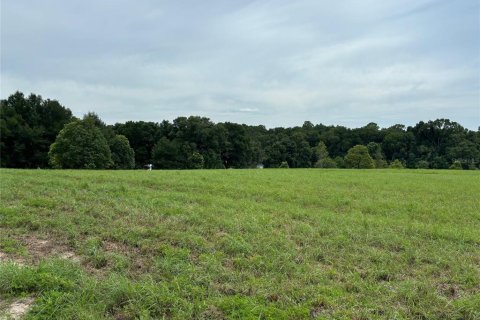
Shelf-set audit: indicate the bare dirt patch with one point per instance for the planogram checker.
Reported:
(213, 313)
(318, 310)
(17, 309)
(451, 291)
(4, 257)
(38, 249)
(120, 247)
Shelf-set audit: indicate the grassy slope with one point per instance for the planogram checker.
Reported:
(246, 244)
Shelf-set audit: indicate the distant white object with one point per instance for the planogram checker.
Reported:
(260, 166)
(149, 166)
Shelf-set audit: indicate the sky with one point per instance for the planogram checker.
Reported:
(275, 63)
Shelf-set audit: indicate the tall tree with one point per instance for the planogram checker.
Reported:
(359, 158)
(142, 137)
(27, 128)
(123, 156)
(80, 145)
(375, 151)
(238, 151)
(168, 155)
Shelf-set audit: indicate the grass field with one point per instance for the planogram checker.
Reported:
(241, 244)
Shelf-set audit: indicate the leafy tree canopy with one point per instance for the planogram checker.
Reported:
(456, 165)
(80, 145)
(359, 158)
(396, 164)
(123, 156)
(29, 125)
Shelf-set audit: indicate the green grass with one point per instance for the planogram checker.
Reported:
(245, 244)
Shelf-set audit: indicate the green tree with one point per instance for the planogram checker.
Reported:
(106, 130)
(359, 158)
(456, 165)
(80, 145)
(203, 136)
(284, 165)
(275, 154)
(375, 151)
(28, 126)
(397, 142)
(396, 164)
(238, 152)
(142, 137)
(340, 162)
(439, 162)
(326, 163)
(196, 161)
(303, 152)
(168, 155)
(321, 151)
(123, 156)
(459, 147)
(422, 164)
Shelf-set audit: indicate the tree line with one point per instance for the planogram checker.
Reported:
(38, 133)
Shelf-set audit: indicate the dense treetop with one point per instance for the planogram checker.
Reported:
(80, 145)
(29, 125)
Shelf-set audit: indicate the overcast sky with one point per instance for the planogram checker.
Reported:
(276, 63)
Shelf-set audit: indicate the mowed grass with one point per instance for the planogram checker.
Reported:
(243, 244)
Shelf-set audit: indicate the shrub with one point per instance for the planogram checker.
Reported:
(321, 151)
(456, 165)
(381, 164)
(422, 164)
(397, 164)
(80, 145)
(196, 161)
(284, 165)
(326, 163)
(375, 151)
(359, 158)
(123, 156)
(340, 162)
